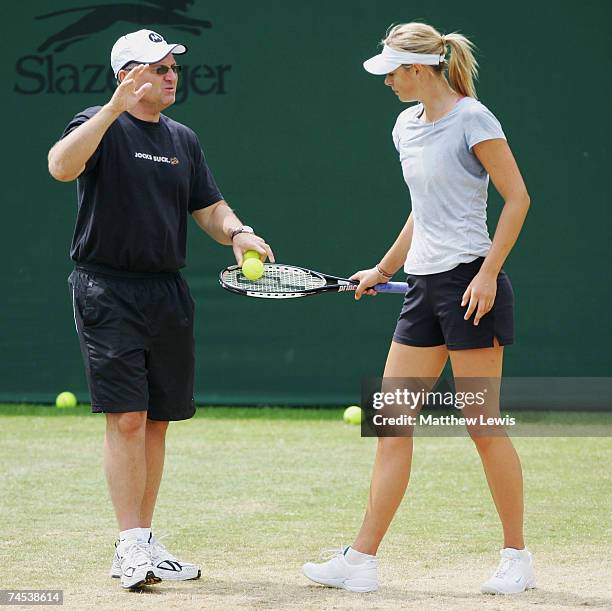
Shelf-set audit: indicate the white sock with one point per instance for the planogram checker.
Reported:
(137, 534)
(352, 556)
(514, 549)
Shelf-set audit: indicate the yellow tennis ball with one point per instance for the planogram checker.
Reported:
(65, 399)
(253, 269)
(250, 254)
(352, 415)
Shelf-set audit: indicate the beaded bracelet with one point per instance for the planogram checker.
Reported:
(382, 272)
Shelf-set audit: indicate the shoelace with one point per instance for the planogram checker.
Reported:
(159, 548)
(334, 552)
(138, 553)
(504, 566)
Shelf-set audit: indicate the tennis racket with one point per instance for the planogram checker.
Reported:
(289, 281)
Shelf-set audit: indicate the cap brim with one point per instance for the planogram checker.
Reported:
(380, 65)
(150, 56)
(176, 49)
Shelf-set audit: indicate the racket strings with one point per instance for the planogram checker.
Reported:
(276, 279)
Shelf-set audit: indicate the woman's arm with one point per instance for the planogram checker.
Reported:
(390, 263)
(497, 159)
(396, 255)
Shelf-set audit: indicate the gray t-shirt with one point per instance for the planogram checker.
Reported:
(448, 184)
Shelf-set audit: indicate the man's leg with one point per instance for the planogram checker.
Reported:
(170, 372)
(125, 468)
(155, 450)
(166, 565)
(125, 465)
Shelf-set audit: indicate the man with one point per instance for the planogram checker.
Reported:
(139, 174)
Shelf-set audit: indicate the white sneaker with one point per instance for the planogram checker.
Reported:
(338, 573)
(168, 567)
(132, 562)
(165, 565)
(513, 575)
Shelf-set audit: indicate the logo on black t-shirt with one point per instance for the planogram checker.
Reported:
(157, 158)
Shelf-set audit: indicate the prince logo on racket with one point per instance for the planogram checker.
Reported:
(132, 308)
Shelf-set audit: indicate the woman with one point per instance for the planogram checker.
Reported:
(459, 303)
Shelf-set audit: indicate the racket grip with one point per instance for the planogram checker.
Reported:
(391, 287)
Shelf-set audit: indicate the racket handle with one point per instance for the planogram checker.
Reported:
(391, 287)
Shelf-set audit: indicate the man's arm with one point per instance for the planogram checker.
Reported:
(219, 220)
(67, 158)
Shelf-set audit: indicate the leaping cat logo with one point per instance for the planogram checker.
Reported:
(102, 16)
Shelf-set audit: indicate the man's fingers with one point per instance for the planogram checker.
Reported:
(466, 295)
(263, 248)
(238, 255)
(269, 253)
(139, 69)
(261, 251)
(264, 251)
(135, 72)
(143, 88)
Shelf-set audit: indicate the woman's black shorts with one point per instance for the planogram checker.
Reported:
(432, 314)
(136, 337)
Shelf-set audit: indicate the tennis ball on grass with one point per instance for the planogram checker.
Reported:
(352, 415)
(65, 399)
(253, 269)
(250, 254)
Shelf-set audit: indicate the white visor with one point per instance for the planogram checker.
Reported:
(390, 59)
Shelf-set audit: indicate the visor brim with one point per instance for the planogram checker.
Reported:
(380, 65)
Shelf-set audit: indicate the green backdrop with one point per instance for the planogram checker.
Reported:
(298, 136)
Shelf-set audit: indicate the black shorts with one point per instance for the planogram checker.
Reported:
(136, 337)
(432, 314)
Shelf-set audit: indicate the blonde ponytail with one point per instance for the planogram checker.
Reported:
(462, 66)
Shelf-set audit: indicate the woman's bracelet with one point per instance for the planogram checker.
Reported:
(382, 272)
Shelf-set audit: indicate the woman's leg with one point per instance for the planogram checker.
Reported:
(499, 458)
(394, 454)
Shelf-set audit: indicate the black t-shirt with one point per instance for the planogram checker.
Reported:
(135, 193)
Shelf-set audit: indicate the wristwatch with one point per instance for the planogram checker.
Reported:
(241, 229)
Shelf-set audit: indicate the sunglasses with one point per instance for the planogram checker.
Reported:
(160, 70)
(163, 69)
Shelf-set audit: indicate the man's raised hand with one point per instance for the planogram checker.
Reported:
(131, 89)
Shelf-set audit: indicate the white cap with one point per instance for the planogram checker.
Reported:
(390, 59)
(144, 46)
